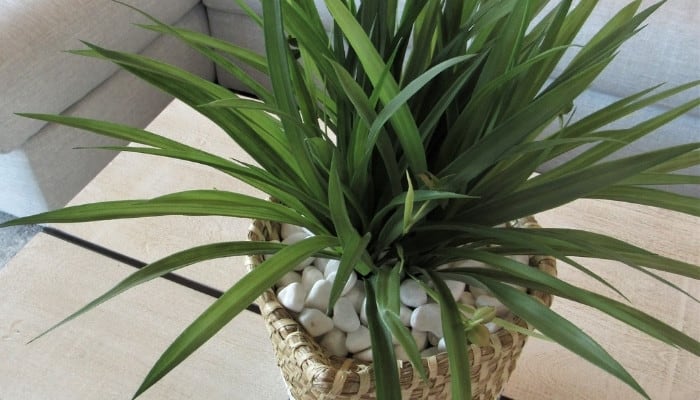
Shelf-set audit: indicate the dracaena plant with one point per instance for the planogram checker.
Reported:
(403, 140)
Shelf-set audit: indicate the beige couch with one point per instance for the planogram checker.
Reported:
(36, 76)
(38, 166)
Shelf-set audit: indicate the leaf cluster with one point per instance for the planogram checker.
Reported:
(407, 139)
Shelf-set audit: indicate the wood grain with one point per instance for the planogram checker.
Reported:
(105, 353)
(136, 176)
(546, 371)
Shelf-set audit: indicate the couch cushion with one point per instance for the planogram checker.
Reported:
(682, 130)
(229, 6)
(664, 51)
(225, 14)
(34, 72)
(59, 169)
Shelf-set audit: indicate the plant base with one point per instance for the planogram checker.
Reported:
(311, 374)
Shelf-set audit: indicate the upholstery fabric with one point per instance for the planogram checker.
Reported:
(33, 70)
(666, 51)
(60, 170)
(223, 14)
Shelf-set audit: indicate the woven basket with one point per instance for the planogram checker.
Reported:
(311, 374)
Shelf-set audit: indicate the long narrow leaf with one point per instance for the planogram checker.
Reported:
(455, 340)
(231, 303)
(172, 263)
(386, 373)
(572, 186)
(404, 124)
(195, 202)
(561, 330)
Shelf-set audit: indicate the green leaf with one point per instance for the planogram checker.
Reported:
(403, 122)
(110, 129)
(685, 161)
(515, 129)
(386, 373)
(651, 197)
(243, 54)
(405, 340)
(408, 205)
(231, 303)
(364, 108)
(172, 263)
(353, 251)
(507, 238)
(387, 286)
(252, 175)
(622, 137)
(268, 147)
(405, 94)
(258, 178)
(538, 280)
(455, 340)
(561, 330)
(337, 205)
(577, 184)
(280, 75)
(194, 202)
(196, 43)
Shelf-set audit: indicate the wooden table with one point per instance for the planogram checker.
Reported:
(105, 353)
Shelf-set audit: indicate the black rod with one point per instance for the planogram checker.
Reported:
(138, 264)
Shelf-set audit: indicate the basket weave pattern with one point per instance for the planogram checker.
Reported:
(311, 374)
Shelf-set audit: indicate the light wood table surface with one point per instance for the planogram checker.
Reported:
(105, 353)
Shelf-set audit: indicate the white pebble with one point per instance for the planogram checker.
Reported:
(405, 315)
(288, 278)
(467, 298)
(412, 294)
(334, 343)
(427, 318)
(470, 264)
(489, 301)
(456, 288)
(331, 267)
(292, 296)
(297, 237)
(442, 346)
(365, 355)
(429, 352)
(345, 317)
(349, 284)
(363, 311)
(320, 263)
(492, 327)
(315, 322)
(287, 230)
(319, 295)
(309, 276)
(358, 340)
(356, 295)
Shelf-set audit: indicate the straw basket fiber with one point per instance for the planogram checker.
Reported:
(311, 374)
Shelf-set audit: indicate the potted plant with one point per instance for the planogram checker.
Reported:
(409, 167)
